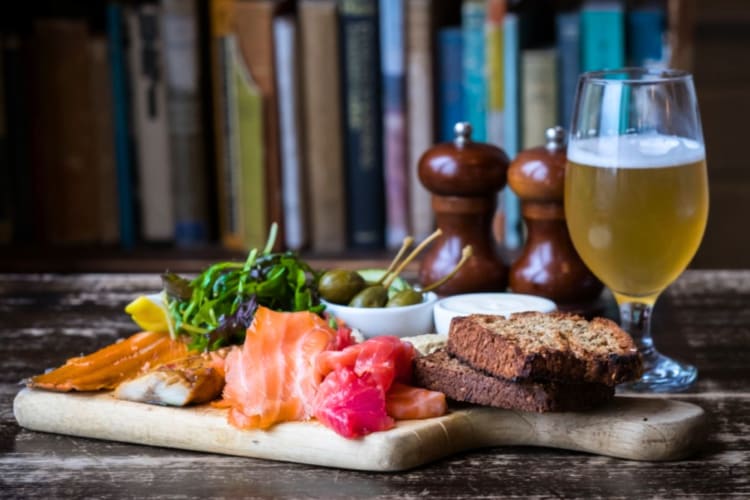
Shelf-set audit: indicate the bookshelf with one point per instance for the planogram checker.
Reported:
(140, 135)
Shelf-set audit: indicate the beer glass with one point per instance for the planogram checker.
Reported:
(636, 196)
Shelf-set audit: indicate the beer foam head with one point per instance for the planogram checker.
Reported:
(636, 151)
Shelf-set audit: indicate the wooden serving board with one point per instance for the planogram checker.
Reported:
(629, 427)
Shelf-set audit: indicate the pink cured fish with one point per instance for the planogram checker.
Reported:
(365, 388)
(272, 377)
(350, 405)
(384, 359)
(406, 402)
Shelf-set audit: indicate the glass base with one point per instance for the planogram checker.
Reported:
(662, 374)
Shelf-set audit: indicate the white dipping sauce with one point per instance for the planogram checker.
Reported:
(502, 304)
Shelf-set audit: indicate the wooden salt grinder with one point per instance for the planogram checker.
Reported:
(549, 264)
(464, 178)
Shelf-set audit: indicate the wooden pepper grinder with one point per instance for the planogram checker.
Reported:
(549, 264)
(464, 178)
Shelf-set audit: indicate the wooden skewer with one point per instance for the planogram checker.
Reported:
(411, 257)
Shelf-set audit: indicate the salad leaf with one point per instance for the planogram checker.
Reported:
(216, 308)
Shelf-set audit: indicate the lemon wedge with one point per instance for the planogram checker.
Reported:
(149, 313)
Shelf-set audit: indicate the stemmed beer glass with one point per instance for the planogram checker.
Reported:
(636, 196)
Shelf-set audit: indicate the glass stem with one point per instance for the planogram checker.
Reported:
(635, 318)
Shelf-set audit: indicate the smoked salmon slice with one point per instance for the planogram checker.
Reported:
(406, 402)
(107, 367)
(272, 377)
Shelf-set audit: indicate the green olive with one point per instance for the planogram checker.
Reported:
(372, 296)
(407, 297)
(340, 285)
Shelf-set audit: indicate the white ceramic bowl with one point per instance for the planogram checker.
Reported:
(402, 321)
(486, 303)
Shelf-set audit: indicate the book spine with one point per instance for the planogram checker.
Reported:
(362, 124)
(253, 29)
(6, 194)
(450, 81)
(511, 76)
(473, 14)
(245, 138)
(420, 110)
(646, 35)
(602, 36)
(568, 48)
(186, 139)
(223, 48)
(493, 32)
(495, 70)
(392, 51)
(287, 78)
(16, 80)
(66, 172)
(539, 94)
(151, 125)
(121, 119)
(103, 141)
(322, 119)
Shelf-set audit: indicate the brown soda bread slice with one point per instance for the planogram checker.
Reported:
(546, 346)
(460, 382)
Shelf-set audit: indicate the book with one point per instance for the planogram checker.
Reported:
(121, 123)
(568, 41)
(185, 123)
(495, 69)
(150, 123)
(362, 123)
(602, 35)
(16, 82)
(64, 174)
(395, 170)
(646, 36)
(538, 95)
(6, 179)
(103, 141)
(292, 169)
(253, 30)
(223, 55)
(420, 110)
(450, 80)
(511, 221)
(681, 18)
(493, 32)
(473, 15)
(245, 138)
(322, 125)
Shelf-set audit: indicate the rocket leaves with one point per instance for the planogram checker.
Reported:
(217, 307)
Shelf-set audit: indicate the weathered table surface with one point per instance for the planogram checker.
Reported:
(703, 318)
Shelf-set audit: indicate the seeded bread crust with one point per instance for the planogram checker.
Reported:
(460, 382)
(546, 346)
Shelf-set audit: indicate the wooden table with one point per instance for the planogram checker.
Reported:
(703, 318)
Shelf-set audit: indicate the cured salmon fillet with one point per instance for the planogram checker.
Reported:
(107, 367)
(365, 389)
(406, 402)
(272, 377)
(198, 378)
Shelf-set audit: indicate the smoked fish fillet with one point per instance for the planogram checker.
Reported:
(106, 368)
(198, 378)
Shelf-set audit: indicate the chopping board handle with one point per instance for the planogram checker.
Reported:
(635, 428)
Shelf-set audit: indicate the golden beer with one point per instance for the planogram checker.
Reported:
(636, 209)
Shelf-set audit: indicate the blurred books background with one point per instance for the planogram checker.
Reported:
(189, 124)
